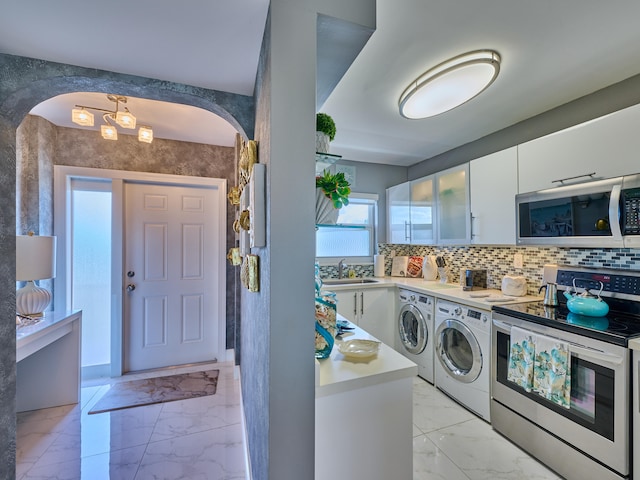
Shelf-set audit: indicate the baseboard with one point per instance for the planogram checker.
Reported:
(245, 435)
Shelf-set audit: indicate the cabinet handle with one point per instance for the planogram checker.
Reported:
(361, 303)
(355, 304)
(406, 234)
(471, 224)
(562, 180)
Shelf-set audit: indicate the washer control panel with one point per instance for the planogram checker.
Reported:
(468, 315)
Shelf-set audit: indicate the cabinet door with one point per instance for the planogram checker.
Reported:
(398, 216)
(607, 146)
(422, 212)
(493, 187)
(347, 304)
(377, 312)
(453, 212)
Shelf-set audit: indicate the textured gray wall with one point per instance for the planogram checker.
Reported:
(25, 82)
(48, 145)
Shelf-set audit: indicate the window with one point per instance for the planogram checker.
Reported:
(353, 237)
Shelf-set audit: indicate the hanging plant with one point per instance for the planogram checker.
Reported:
(335, 187)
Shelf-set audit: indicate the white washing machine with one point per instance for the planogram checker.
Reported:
(414, 338)
(463, 355)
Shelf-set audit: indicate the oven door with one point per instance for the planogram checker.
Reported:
(597, 422)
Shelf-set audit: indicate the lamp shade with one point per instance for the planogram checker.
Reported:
(35, 257)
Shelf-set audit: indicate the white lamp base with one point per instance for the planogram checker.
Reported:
(32, 300)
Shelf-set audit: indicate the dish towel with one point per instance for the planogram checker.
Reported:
(552, 375)
(521, 358)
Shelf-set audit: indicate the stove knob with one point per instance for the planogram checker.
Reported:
(457, 310)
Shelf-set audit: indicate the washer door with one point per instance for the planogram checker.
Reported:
(412, 328)
(458, 351)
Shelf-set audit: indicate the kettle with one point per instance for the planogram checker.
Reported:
(586, 303)
(550, 294)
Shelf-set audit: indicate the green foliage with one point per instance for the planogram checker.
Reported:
(325, 124)
(335, 187)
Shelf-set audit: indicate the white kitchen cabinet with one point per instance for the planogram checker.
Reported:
(493, 181)
(453, 211)
(422, 211)
(398, 214)
(607, 146)
(371, 309)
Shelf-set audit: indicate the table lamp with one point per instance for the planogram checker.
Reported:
(35, 260)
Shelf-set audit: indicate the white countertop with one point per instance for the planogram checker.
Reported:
(54, 325)
(446, 291)
(634, 344)
(338, 374)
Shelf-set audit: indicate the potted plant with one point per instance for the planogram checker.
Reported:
(325, 132)
(332, 193)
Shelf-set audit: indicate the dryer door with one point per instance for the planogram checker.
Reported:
(412, 328)
(458, 351)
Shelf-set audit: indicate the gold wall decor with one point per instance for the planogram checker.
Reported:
(248, 157)
(245, 220)
(234, 195)
(249, 273)
(234, 256)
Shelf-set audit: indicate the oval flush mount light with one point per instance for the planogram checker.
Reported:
(449, 84)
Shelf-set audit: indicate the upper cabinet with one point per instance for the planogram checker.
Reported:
(608, 146)
(423, 211)
(452, 206)
(411, 212)
(494, 185)
(398, 213)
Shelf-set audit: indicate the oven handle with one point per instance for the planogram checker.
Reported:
(581, 350)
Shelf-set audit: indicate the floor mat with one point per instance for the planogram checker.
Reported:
(157, 390)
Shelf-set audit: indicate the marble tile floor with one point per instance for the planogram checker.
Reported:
(199, 438)
(451, 443)
(202, 438)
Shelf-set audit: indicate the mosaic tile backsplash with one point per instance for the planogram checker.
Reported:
(499, 260)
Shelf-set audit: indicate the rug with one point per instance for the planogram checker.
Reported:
(148, 391)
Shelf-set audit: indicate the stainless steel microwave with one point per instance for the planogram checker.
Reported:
(602, 213)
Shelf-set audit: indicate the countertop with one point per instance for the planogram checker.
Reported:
(338, 374)
(634, 344)
(446, 291)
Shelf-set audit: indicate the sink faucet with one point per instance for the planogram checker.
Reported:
(341, 266)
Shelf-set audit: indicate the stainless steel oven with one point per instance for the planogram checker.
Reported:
(591, 437)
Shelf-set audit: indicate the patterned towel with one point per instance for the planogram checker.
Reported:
(521, 358)
(552, 370)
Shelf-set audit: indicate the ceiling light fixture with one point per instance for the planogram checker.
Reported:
(81, 116)
(449, 84)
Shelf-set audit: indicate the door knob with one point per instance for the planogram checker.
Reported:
(131, 287)
(130, 273)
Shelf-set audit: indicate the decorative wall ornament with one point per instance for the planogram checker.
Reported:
(248, 157)
(234, 256)
(249, 273)
(234, 196)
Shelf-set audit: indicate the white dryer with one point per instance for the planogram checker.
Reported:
(414, 337)
(463, 354)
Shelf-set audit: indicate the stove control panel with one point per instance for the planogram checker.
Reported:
(618, 282)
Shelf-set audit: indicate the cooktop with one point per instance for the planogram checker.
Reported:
(620, 289)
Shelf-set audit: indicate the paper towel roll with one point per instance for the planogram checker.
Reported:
(378, 265)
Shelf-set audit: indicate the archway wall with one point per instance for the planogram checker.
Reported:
(25, 82)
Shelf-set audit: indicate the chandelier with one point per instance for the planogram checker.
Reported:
(82, 116)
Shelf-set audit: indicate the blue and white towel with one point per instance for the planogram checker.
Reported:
(521, 358)
(552, 370)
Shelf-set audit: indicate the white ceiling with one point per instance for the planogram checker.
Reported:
(552, 52)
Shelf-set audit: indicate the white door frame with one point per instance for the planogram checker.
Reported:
(62, 229)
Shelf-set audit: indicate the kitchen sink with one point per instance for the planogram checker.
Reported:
(347, 281)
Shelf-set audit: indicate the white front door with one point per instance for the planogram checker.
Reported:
(171, 275)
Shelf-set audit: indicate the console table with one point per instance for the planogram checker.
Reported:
(48, 361)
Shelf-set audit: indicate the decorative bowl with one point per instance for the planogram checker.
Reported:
(358, 348)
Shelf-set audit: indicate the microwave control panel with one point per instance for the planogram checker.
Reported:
(630, 211)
